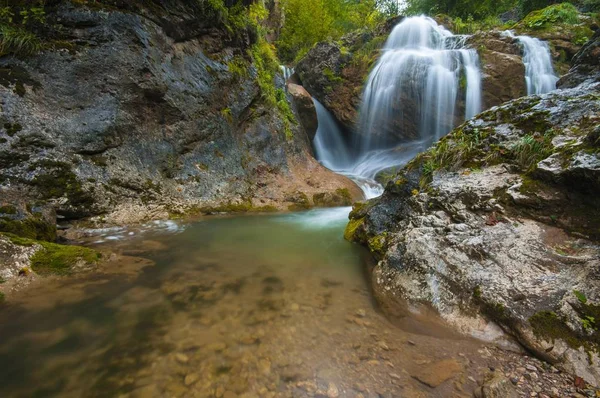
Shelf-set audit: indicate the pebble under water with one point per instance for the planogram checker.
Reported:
(249, 306)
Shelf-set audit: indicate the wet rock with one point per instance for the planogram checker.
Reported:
(586, 67)
(332, 391)
(500, 58)
(191, 379)
(495, 385)
(305, 108)
(437, 373)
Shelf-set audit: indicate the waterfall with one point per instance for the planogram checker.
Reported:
(425, 83)
(539, 72)
(287, 72)
(330, 147)
(414, 90)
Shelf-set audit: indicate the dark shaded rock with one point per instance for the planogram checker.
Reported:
(305, 108)
(586, 65)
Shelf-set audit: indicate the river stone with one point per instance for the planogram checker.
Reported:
(435, 374)
(496, 385)
(191, 379)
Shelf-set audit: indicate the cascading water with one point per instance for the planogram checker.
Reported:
(287, 72)
(539, 72)
(415, 87)
(410, 101)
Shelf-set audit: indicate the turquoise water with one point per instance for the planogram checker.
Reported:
(269, 306)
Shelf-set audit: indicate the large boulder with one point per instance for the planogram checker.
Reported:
(503, 71)
(499, 224)
(147, 112)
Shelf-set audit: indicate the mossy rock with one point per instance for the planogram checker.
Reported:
(31, 228)
(353, 230)
(341, 197)
(55, 259)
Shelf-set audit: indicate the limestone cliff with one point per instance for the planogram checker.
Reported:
(136, 110)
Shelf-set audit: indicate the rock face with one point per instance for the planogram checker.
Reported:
(503, 71)
(500, 221)
(586, 65)
(305, 108)
(147, 113)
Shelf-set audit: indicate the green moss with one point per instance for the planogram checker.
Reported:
(341, 197)
(58, 180)
(301, 202)
(549, 326)
(377, 243)
(12, 128)
(60, 259)
(31, 228)
(477, 293)
(2, 298)
(351, 232)
(8, 209)
(55, 259)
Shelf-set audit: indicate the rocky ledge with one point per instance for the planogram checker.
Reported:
(498, 224)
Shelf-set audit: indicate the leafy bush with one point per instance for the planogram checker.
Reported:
(560, 13)
(18, 24)
(16, 40)
(309, 22)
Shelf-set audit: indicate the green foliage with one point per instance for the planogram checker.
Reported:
(238, 67)
(580, 296)
(460, 8)
(267, 66)
(470, 25)
(18, 26)
(307, 23)
(531, 149)
(560, 13)
(17, 40)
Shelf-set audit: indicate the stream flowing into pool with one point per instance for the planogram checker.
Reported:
(264, 305)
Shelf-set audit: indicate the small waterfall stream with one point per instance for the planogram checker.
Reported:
(539, 72)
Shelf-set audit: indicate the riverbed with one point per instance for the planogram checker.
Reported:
(253, 306)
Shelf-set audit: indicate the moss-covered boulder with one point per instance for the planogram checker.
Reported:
(26, 219)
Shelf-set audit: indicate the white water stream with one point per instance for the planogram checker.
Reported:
(539, 72)
(422, 62)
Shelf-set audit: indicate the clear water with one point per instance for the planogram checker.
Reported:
(269, 306)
